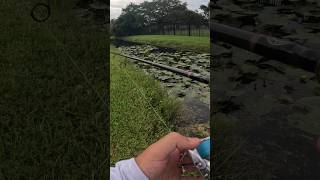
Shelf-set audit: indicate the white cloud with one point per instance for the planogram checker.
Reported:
(115, 12)
(117, 5)
(195, 4)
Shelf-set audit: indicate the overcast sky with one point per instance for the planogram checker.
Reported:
(117, 5)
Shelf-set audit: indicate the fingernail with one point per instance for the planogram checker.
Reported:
(194, 140)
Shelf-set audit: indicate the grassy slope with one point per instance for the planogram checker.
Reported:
(134, 97)
(53, 125)
(193, 43)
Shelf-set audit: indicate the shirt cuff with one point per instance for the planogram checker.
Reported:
(129, 170)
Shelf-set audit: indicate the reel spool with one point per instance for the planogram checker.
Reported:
(204, 149)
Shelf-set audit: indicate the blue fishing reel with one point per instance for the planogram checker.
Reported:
(204, 148)
(201, 157)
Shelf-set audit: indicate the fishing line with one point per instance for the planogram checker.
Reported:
(76, 66)
(145, 97)
(45, 7)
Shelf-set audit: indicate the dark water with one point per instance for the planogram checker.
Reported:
(274, 107)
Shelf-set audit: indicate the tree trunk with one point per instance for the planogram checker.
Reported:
(189, 29)
(163, 30)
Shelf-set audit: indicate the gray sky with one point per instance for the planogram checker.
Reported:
(117, 5)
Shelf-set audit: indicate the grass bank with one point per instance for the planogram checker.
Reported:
(53, 76)
(140, 109)
(189, 43)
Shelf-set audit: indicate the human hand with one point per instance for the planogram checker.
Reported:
(161, 160)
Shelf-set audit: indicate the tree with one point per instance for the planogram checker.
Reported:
(205, 11)
(136, 19)
(131, 21)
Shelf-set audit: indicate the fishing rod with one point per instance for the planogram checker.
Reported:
(282, 50)
(189, 74)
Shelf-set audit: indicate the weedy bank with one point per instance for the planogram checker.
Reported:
(140, 109)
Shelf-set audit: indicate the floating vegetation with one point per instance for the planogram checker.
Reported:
(179, 86)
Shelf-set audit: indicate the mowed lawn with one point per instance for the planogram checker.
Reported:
(140, 109)
(190, 43)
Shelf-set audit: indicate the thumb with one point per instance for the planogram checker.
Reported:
(174, 141)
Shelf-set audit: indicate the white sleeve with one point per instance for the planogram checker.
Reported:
(127, 170)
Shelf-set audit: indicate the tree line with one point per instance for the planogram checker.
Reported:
(158, 14)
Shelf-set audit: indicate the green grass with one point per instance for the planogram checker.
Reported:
(191, 43)
(53, 124)
(140, 110)
(229, 160)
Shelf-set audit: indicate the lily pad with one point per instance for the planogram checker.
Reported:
(313, 102)
(261, 107)
(309, 123)
(246, 68)
(235, 93)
